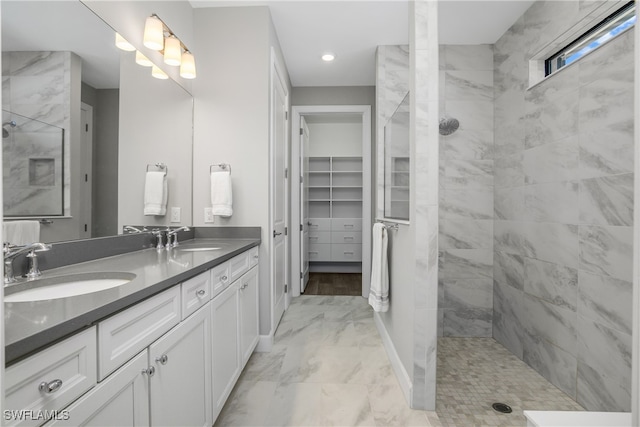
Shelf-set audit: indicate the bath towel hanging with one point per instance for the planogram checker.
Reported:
(21, 232)
(155, 193)
(221, 190)
(379, 290)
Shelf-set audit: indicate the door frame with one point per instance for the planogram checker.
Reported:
(308, 110)
(277, 71)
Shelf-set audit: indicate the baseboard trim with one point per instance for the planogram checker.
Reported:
(401, 373)
(265, 343)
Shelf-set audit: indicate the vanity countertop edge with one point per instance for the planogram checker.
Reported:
(31, 326)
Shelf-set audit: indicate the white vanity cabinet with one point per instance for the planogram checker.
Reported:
(170, 360)
(234, 313)
(180, 387)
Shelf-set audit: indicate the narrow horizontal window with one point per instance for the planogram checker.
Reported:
(607, 29)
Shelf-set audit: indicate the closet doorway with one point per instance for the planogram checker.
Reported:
(331, 198)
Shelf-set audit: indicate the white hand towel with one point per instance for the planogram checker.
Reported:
(155, 193)
(21, 232)
(379, 291)
(221, 196)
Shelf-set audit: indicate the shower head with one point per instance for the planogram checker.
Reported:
(448, 125)
(5, 132)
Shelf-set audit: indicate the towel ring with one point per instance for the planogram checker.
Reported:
(160, 166)
(222, 166)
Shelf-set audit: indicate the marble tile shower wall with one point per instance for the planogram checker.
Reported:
(466, 192)
(563, 206)
(36, 85)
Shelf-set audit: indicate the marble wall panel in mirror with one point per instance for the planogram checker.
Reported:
(61, 69)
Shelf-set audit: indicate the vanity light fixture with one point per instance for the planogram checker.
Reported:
(154, 33)
(172, 50)
(188, 66)
(158, 73)
(121, 43)
(328, 57)
(158, 36)
(142, 60)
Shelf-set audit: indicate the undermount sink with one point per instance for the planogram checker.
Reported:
(198, 247)
(65, 286)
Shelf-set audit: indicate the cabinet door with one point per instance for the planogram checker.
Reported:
(181, 384)
(248, 314)
(120, 400)
(225, 353)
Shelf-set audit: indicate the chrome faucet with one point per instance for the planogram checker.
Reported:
(159, 238)
(133, 229)
(10, 252)
(174, 233)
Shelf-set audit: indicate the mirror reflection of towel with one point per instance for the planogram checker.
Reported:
(155, 193)
(221, 196)
(21, 232)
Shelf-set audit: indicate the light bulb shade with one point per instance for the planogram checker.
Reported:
(188, 66)
(121, 43)
(142, 60)
(172, 51)
(153, 33)
(158, 73)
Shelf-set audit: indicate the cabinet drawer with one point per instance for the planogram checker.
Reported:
(346, 224)
(254, 256)
(348, 237)
(319, 252)
(196, 292)
(122, 336)
(220, 278)
(319, 224)
(346, 253)
(70, 363)
(238, 265)
(319, 237)
(120, 400)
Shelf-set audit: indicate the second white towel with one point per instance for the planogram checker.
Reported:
(155, 193)
(379, 291)
(221, 194)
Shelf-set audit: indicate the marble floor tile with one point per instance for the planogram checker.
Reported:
(328, 367)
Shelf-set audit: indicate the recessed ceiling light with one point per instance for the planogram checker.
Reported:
(328, 57)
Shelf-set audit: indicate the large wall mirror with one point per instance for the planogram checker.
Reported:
(67, 148)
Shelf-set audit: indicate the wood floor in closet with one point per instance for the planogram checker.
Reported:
(334, 284)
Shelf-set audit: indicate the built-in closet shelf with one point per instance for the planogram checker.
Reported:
(334, 187)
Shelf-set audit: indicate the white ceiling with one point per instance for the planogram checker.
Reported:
(352, 30)
(306, 29)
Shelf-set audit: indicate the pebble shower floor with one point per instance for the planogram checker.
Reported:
(474, 373)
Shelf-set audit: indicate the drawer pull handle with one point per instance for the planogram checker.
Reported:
(348, 238)
(348, 226)
(162, 359)
(244, 286)
(200, 293)
(50, 387)
(223, 278)
(348, 253)
(149, 371)
(314, 253)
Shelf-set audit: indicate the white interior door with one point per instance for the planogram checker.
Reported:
(278, 195)
(304, 204)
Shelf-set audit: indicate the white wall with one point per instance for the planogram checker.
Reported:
(232, 121)
(156, 121)
(335, 139)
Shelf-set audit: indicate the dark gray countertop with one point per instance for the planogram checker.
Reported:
(30, 326)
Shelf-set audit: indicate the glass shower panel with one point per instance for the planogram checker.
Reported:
(396, 163)
(33, 165)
